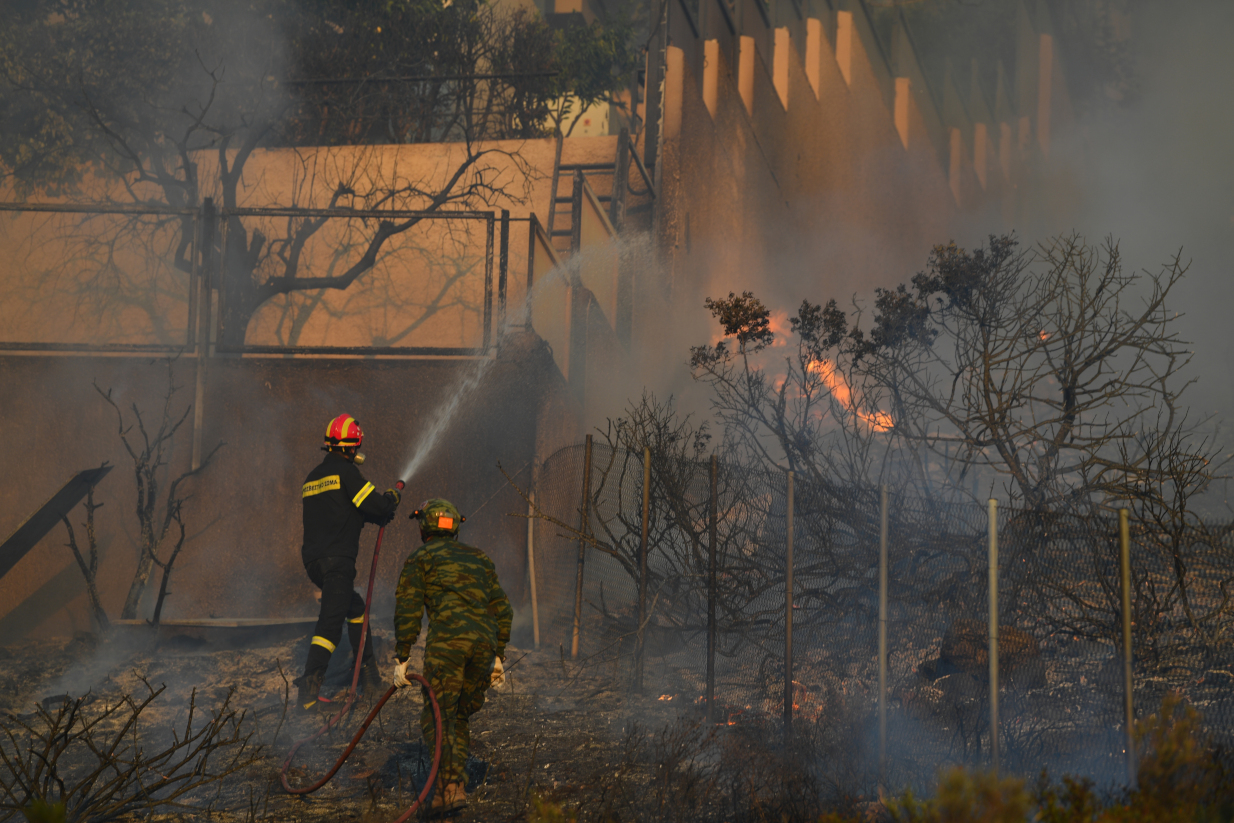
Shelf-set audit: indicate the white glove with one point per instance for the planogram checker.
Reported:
(400, 674)
(498, 676)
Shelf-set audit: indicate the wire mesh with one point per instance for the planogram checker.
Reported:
(1059, 612)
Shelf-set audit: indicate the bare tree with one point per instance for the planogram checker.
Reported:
(1056, 369)
(1055, 374)
(98, 762)
(157, 511)
(89, 564)
(678, 527)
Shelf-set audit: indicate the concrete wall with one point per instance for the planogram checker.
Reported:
(808, 161)
(242, 554)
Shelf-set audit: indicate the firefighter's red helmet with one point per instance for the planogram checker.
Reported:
(343, 432)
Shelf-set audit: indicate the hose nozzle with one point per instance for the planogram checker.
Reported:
(358, 459)
(400, 485)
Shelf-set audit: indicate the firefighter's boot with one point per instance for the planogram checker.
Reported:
(448, 797)
(371, 684)
(309, 685)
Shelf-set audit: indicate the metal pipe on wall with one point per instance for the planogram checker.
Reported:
(531, 566)
(882, 640)
(788, 616)
(993, 650)
(202, 334)
(1124, 534)
(503, 271)
(582, 548)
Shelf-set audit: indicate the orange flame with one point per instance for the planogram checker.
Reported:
(879, 421)
(778, 322)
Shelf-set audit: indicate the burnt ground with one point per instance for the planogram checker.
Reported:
(567, 733)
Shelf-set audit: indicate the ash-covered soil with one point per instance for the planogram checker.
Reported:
(558, 730)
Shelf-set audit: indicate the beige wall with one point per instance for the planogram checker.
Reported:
(242, 555)
(89, 279)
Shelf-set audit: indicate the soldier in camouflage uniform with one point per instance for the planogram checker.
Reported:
(469, 625)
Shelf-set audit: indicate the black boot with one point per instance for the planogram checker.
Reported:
(370, 678)
(309, 685)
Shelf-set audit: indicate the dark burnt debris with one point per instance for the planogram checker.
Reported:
(558, 733)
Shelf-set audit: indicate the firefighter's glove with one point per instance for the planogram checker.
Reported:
(497, 678)
(400, 674)
(394, 495)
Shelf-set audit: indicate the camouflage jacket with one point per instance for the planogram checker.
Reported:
(457, 585)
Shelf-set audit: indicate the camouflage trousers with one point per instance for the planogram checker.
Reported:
(459, 670)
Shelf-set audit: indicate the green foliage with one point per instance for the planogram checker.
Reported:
(1181, 778)
(743, 317)
(1074, 800)
(546, 811)
(593, 60)
(40, 811)
(528, 68)
(135, 88)
(967, 797)
(957, 284)
(77, 76)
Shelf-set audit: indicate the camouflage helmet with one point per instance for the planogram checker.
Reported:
(438, 517)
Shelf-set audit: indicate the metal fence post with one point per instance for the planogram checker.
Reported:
(621, 182)
(788, 617)
(712, 549)
(642, 569)
(1124, 533)
(503, 271)
(531, 565)
(552, 203)
(582, 548)
(190, 336)
(576, 214)
(220, 279)
(489, 226)
(993, 650)
(882, 640)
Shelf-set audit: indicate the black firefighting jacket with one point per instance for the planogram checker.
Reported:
(338, 501)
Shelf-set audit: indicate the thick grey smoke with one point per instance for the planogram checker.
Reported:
(1156, 175)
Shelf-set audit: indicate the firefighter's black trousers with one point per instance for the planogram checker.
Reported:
(335, 576)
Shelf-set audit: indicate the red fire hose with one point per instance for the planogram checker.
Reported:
(351, 699)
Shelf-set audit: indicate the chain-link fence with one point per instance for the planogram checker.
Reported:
(1060, 667)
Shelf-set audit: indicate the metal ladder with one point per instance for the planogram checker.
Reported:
(619, 190)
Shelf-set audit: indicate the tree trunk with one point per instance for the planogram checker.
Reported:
(142, 576)
(138, 586)
(238, 289)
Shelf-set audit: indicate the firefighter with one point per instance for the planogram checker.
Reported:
(338, 501)
(469, 625)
